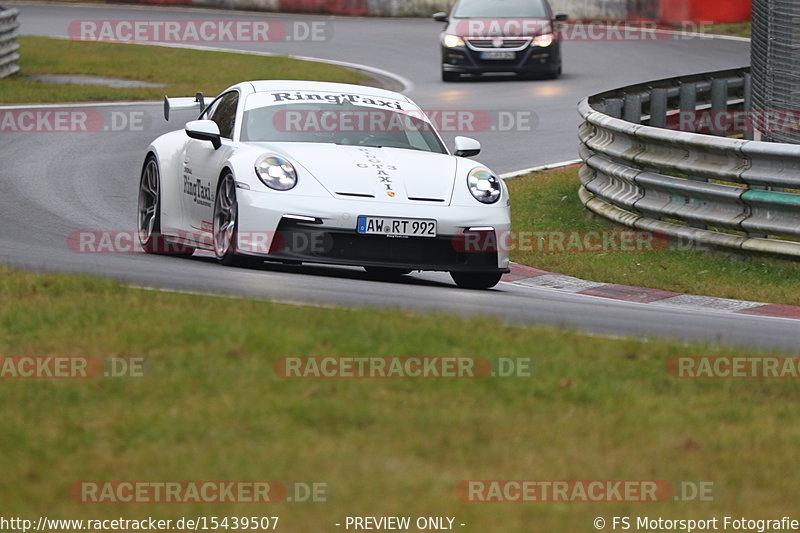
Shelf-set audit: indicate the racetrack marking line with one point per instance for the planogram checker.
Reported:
(542, 168)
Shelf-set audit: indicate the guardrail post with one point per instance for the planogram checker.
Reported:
(8, 42)
(688, 96)
(749, 133)
(658, 108)
(719, 100)
(614, 107)
(633, 108)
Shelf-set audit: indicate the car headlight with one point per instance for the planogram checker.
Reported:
(544, 40)
(452, 41)
(484, 186)
(276, 172)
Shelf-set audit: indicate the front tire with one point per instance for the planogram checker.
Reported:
(449, 77)
(226, 223)
(149, 214)
(556, 72)
(476, 280)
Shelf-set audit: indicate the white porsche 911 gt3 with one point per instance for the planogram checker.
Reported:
(311, 172)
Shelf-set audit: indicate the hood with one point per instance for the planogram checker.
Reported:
(382, 174)
(488, 28)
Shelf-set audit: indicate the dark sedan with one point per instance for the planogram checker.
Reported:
(502, 36)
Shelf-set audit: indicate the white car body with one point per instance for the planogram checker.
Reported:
(335, 185)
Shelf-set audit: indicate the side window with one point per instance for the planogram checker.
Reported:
(223, 112)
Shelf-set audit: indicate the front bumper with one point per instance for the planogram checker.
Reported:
(532, 60)
(329, 235)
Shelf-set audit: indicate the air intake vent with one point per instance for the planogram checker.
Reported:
(426, 199)
(355, 195)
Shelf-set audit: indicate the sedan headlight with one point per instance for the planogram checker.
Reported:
(276, 172)
(452, 41)
(484, 186)
(544, 40)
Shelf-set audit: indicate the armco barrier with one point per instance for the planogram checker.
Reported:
(8, 42)
(711, 190)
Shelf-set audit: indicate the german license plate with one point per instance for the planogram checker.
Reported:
(396, 227)
(498, 55)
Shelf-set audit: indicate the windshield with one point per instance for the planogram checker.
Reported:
(344, 124)
(500, 9)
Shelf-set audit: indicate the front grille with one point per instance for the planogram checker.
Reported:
(297, 242)
(489, 44)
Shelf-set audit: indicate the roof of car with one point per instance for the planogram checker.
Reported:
(295, 85)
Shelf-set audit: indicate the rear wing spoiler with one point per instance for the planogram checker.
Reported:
(179, 104)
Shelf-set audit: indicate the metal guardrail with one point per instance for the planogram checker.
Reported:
(9, 31)
(707, 189)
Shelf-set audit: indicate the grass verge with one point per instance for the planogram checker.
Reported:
(738, 29)
(549, 201)
(210, 407)
(183, 72)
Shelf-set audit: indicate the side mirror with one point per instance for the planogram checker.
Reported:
(440, 17)
(466, 147)
(562, 17)
(204, 130)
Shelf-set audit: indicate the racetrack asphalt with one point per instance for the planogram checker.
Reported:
(55, 184)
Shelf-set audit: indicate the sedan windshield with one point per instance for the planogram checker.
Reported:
(500, 9)
(343, 124)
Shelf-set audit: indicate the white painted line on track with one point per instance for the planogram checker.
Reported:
(551, 166)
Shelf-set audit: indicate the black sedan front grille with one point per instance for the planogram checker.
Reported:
(489, 44)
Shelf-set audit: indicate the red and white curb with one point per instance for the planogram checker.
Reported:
(533, 277)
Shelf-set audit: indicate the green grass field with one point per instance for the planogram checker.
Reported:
(179, 70)
(210, 407)
(549, 201)
(738, 29)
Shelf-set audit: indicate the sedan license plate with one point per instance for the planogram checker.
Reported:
(396, 227)
(498, 55)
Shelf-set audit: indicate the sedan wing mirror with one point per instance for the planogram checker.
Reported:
(204, 130)
(440, 17)
(466, 147)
